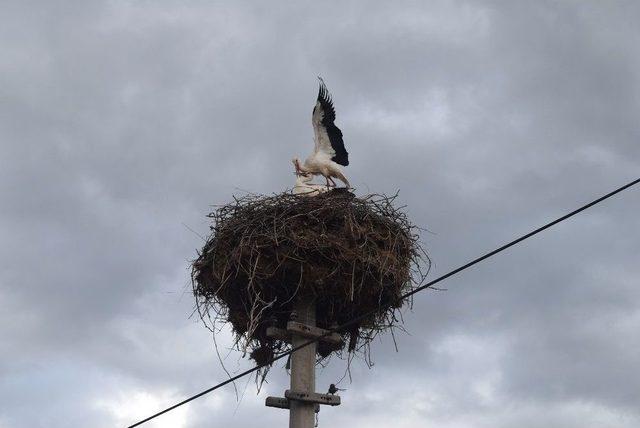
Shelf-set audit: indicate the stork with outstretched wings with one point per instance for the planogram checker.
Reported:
(329, 154)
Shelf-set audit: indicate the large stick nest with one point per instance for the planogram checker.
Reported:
(352, 255)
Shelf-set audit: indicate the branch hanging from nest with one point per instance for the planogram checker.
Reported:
(352, 255)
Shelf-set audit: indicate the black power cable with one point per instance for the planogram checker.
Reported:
(404, 296)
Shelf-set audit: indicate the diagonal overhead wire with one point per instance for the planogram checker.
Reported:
(404, 296)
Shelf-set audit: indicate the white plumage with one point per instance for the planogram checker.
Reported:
(329, 154)
(304, 187)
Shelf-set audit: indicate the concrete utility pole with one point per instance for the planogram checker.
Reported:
(303, 368)
(302, 400)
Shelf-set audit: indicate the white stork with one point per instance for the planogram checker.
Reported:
(304, 187)
(329, 152)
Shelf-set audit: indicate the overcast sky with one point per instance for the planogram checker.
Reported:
(123, 122)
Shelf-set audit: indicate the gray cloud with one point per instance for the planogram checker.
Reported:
(123, 122)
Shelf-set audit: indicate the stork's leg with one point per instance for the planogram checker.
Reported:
(330, 182)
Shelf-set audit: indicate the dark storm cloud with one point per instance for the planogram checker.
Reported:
(121, 121)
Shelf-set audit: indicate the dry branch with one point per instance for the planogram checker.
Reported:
(353, 255)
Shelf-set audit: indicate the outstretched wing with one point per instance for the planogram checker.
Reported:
(328, 137)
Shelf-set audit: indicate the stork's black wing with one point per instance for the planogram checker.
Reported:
(328, 135)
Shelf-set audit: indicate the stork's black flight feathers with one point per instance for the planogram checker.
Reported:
(325, 103)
